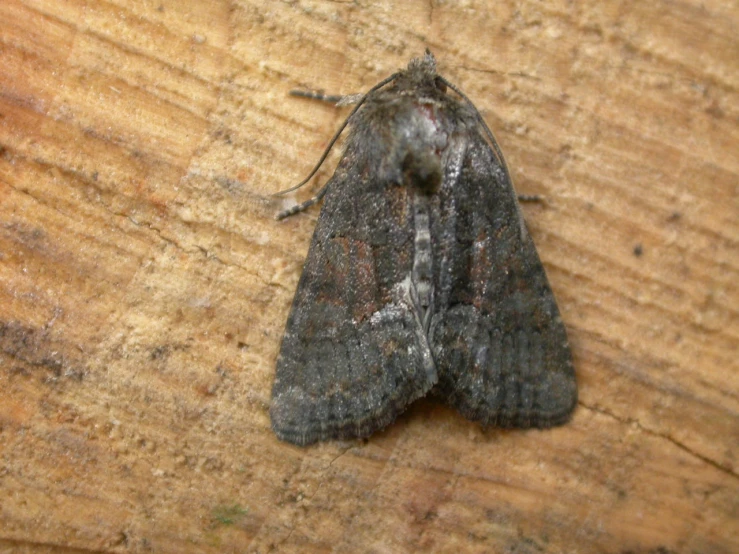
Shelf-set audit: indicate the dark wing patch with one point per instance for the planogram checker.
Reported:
(499, 343)
(353, 355)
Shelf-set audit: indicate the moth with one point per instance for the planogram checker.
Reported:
(421, 278)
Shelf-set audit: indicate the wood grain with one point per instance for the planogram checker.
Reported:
(144, 284)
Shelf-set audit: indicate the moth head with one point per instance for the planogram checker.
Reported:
(421, 77)
(426, 64)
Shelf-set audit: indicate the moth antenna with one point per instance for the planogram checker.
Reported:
(336, 137)
(300, 207)
(481, 121)
(530, 198)
(320, 96)
(338, 100)
(496, 150)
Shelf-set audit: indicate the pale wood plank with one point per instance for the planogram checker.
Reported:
(144, 284)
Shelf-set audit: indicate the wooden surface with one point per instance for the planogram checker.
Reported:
(144, 284)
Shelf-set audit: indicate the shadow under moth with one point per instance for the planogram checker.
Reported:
(421, 278)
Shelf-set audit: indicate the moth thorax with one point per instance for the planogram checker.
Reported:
(422, 170)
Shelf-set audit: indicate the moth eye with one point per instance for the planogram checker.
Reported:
(440, 84)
